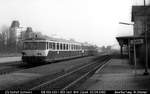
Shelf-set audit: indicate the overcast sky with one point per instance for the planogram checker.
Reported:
(94, 21)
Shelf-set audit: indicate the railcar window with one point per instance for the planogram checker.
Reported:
(50, 45)
(53, 46)
(61, 46)
(71, 47)
(80, 47)
(34, 45)
(47, 45)
(75, 47)
(64, 46)
(57, 46)
(67, 46)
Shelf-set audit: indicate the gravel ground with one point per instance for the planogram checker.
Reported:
(64, 65)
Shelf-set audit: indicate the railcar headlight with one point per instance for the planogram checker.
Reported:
(39, 54)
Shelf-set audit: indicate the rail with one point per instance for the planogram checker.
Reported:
(71, 79)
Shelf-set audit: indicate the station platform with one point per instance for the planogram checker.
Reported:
(118, 74)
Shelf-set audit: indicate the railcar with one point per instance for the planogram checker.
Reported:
(37, 50)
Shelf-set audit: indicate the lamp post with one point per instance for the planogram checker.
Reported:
(146, 46)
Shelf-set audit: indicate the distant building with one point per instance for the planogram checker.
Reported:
(13, 31)
(37, 35)
(15, 24)
(28, 33)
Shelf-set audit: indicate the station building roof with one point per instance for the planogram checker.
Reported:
(123, 40)
(136, 11)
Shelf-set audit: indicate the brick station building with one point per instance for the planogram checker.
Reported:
(141, 19)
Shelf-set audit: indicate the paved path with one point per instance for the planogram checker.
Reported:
(118, 75)
(9, 59)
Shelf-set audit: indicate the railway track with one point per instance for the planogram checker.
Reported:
(70, 80)
(63, 79)
(6, 68)
(30, 84)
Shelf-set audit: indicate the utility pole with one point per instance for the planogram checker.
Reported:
(146, 48)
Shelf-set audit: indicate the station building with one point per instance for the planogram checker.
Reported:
(141, 28)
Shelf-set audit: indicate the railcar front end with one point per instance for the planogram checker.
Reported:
(34, 51)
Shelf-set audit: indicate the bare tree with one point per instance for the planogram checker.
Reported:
(4, 35)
